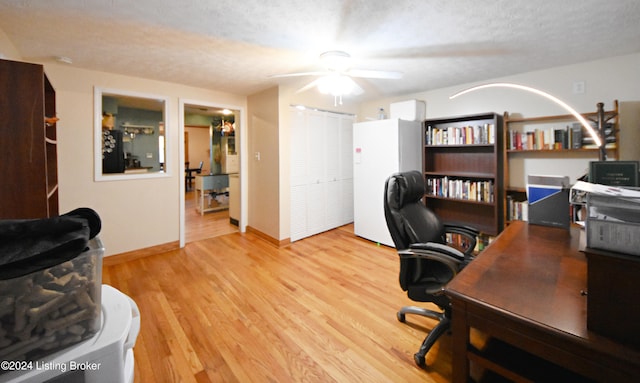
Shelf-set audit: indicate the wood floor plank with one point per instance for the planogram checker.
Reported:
(202, 226)
(236, 308)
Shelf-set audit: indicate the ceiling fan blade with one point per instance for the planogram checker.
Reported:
(310, 85)
(375, 74)
(299, 74)
(357, 89)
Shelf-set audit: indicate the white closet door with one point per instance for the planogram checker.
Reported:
(298, 134)
(346, 169)
(321, 172)
(346, 212)
(315, 147)
(316, 208)
(332, 147)
(333, 204)
(298, 223)
(346, 147)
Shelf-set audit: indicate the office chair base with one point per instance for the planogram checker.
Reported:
(444, 323)
(420, 360)
(434, 334)
(418, 311)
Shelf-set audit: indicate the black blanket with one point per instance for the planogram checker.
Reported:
(29, 245)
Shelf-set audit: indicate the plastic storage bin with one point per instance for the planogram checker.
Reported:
(52, 308)
(107, 357)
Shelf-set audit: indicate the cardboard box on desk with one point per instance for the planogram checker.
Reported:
(548, 200)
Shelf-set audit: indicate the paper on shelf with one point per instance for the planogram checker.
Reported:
(580, 190)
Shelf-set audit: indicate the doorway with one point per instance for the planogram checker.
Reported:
(211, 151)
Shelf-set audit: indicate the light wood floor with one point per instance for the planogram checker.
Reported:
(211, 224)
(235, 308)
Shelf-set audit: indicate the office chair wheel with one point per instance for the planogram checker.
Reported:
(420, 360)
(401, 317)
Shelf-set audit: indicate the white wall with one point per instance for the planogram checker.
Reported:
(605, 80)
(135, 213)
(616, 78)
(7, 50)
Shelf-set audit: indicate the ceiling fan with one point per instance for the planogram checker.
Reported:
(337, 78)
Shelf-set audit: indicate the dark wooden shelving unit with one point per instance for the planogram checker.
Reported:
(28, 144)
(473, 162)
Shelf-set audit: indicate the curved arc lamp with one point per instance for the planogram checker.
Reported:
(578, 116)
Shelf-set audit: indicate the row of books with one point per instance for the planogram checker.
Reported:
(571, 137)
(467, 135)
(517, 210)
(446, 187)
(546, 139)
(461, 243)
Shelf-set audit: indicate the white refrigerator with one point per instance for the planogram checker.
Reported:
(380, 148)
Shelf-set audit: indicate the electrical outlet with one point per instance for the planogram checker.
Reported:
(578, 87)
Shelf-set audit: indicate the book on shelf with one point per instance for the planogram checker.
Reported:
(471, 190)
(517, 210)
(570, 137)
(537, 139)
(462, 243)
(561, 139)
(483, 241)
(575, 136)
(609, 136)
(466, 135)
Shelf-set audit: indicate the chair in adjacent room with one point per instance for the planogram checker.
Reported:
(189, 176)
(427, 263)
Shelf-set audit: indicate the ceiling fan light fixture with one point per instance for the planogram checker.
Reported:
(337, 61)
(336, 85)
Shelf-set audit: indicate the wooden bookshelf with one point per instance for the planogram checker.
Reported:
(462, 152)
(28, 143)
(513, 189)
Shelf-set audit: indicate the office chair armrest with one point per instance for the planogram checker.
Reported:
(470, 233)
(439, 249)
(433, 254)
(461, 229)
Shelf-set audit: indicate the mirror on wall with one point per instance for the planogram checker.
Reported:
(130, 135)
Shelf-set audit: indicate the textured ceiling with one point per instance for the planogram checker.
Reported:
(235, 45)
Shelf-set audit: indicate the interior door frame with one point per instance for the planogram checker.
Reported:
(244, 170)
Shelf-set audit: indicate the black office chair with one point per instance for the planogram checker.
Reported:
(427, 263)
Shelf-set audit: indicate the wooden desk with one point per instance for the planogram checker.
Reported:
(525, 290)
